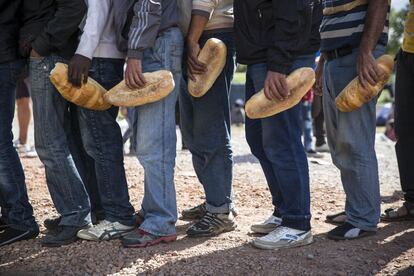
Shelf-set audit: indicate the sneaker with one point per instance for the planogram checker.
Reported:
(105, 231)
(212, 225)
(347, 231)
(284, 237)
(267, 226)
(52, 224)
(141, 238)
(10, 235)
(314, 154)
(322, 148)
(3, 223)
(198, 212)
(64, 235)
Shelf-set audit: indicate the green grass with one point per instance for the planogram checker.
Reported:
(239, 78)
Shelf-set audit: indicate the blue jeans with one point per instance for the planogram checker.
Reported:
(53, 140)
(206, 126)
(307, 130)
(13, 194)
(156, 138)
(276, 142)
(102, 142)
(351, 138)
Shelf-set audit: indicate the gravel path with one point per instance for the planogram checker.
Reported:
(390, 252)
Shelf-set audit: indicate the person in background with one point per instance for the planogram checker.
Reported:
(24, 114)
(238, 115)
(155, 43)
(50, 35)
(403, 122)
(205, 121)
(306, 117)
(274, 38)
(353, 34)
(97, 55)
(16, 221)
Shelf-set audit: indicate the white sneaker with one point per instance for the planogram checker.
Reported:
(267, 226)
(323, 148)
(284, 237)
(104, 231)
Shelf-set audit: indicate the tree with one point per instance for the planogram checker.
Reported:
(397, 19)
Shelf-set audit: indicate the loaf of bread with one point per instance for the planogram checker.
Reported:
(299, 83)
(354, 95)
(213, 55)
(89, 95)
(159, 85)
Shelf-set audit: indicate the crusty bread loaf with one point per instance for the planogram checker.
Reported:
(354, 95)
(213, 55)
(89, 95)
(299, 83)
(159, 85)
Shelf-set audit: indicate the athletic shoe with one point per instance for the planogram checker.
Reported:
(212, 225)
(314, 154)
(10, 235)
(198, 212)
(3, 223)
(284, 237)
(347, 231)
(267, 226)
(62, 236)
(104, 231)
(140, 238)
(322, 148)
(52, 224)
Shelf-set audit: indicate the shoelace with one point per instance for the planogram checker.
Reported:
(102, 225)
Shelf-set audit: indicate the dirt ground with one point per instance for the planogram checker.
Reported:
(390, 252)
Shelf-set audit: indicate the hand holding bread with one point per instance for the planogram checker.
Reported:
(354, 95)
(298, 83)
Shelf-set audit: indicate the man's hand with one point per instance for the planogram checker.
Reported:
(195, 67)
(275, 86)
(78, 70)
(134, 78)
(318, 86)
(34, 54)
(368, 70)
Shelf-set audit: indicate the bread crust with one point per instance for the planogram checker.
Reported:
(299, 83)
(89, 95)
(159, 85)
(353, 96)
(213, 55)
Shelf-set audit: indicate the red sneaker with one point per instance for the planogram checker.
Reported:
(141, 238)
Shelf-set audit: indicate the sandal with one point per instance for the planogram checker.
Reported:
(392, 214)
(336, 219)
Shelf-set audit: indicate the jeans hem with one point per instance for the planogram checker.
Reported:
(223, 209)
(299, 224)
(148, 230)
(362, 226)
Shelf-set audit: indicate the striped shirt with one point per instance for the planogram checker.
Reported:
(343, 24)
(408, 42)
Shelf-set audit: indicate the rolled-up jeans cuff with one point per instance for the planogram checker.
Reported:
(223, 209)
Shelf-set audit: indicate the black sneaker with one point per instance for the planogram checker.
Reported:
(52, 224)
(198, 212)
(347, 231)
(212, 225)
(62, 236)
(10, 235)
(3, 223)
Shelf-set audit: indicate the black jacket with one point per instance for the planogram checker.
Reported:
(51, 26)
(9, 26)
(274, 31)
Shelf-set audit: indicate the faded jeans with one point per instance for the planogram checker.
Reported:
(53, 141)
(14, 202)
(156, 138)
(351, 138)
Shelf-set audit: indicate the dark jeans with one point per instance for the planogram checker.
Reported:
(14, 202)
(102, 147)
(55, 142)
(205, 126)
(276, 142)
(404, 122)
